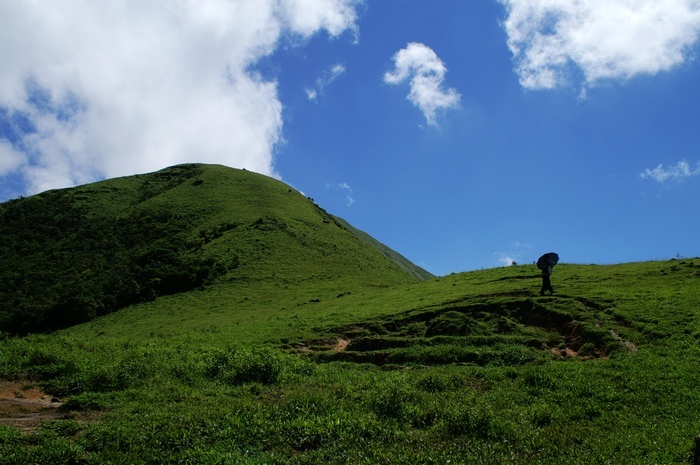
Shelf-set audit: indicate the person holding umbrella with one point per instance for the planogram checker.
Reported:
(545, 263)
(546, 281)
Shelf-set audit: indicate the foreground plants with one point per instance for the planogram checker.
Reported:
(487, 374)
(233, 405)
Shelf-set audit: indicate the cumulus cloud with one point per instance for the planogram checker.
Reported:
(117, 87)
(678, 172)
(420, 65)
(326, 78)
(555, 42)
(10, 159)
(306, 17)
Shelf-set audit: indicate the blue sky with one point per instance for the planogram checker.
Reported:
(463, 134)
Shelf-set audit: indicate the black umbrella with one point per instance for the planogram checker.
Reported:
(548, 259)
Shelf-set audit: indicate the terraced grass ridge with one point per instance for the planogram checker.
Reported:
(220, 317)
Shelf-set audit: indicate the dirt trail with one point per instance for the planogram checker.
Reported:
(25, 405)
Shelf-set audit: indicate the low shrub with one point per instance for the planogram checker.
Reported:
(236, 366)
(477, 422)
(85, 401)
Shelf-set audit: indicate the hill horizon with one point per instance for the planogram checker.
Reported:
(201, 314)
(95, 248)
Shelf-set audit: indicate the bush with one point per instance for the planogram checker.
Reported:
(62, 428)
(451, 323)
(85, 401)
(587, 350)
(239, 366)
(392, 399)
(477, 422)
(435, 381)
(537, 381)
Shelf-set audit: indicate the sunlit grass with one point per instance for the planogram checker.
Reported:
(176, 381)
(312, 343)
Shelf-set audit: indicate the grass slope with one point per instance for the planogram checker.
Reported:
(70, 255)
(468, 368)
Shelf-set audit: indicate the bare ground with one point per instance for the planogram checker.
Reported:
(25, 406)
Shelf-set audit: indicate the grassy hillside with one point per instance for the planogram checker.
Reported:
(68, 256)
(468, 368)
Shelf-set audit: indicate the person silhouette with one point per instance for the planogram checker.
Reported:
(546, 282)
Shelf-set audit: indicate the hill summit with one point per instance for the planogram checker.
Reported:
(70, 255)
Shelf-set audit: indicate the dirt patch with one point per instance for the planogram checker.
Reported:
(340, 345)
(25, 406)
(628, 344)
(567, 352)
(336, 345)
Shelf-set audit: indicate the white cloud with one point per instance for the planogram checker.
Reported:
(505, 259)
(311, 94)
(117, 87)
(678, 172)
(326, 78)
(308, 16)
(518, 249)
(345, 189)
(10, 158)
(426, 72)
(602, 39)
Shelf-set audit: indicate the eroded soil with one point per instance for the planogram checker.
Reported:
(488, 330)
(25, 406)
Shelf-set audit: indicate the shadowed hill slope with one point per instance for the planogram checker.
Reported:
(67, 256)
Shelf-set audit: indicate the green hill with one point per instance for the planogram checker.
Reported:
(68, 256)
(468, 368)
(256, 328)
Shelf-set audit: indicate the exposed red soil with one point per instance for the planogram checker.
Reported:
(568, 352)
(25, 406)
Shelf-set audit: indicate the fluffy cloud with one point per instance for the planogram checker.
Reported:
(10, 159)
(426, 72)
(678, 172)
(506, 260)
(117, 87)
(305, 17)
(518, 249)
(602, 39)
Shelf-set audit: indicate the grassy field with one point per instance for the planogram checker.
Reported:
(207, 315)
(468, 368)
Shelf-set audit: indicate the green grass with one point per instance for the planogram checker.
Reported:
(467, 368)
(71, 255)
(225, 347)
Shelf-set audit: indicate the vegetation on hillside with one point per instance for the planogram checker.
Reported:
(253, 327)
(61, 266)
(71, 255)
(469, 368)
